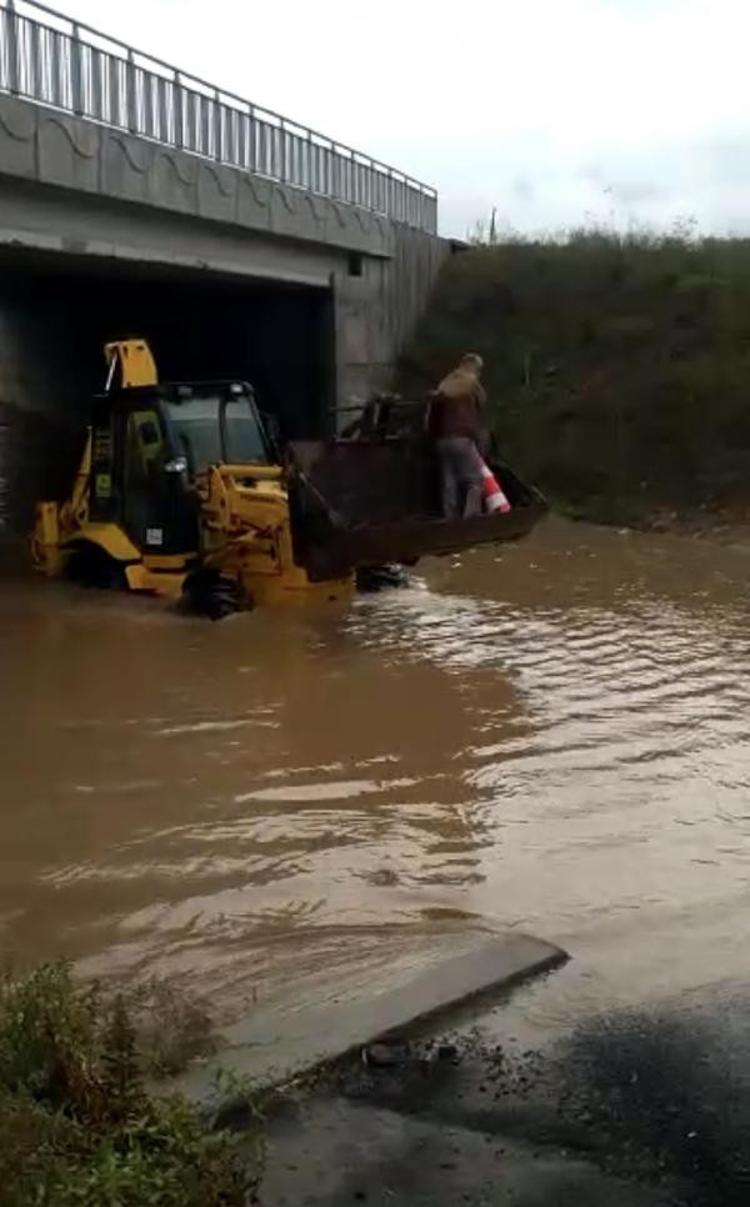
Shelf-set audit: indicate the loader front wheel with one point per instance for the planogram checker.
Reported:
(211, 594)
(381, 578)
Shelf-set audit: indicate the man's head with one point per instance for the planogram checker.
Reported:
(472, 362)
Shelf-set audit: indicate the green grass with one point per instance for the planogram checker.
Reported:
(77, 1123)
(617, 366)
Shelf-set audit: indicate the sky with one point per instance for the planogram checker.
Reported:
(556, 112)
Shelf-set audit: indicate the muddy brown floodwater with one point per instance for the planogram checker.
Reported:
(553, 737)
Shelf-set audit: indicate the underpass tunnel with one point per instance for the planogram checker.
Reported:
(57, 314)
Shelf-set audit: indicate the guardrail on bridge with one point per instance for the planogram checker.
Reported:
(49, 58)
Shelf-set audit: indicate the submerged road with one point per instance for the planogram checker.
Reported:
(551, 737)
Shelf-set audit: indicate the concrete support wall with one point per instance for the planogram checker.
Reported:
(39, 437)
(377, 311)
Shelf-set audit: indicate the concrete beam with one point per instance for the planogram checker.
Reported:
(37, 219)
(53, 148)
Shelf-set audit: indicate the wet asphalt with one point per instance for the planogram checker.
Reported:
(635, 1107)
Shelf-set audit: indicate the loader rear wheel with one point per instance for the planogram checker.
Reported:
(209, 593)
(381, 578)
(90, 566)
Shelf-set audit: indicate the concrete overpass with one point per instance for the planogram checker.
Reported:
(137, 199)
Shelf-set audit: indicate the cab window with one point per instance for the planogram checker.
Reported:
(213, 426)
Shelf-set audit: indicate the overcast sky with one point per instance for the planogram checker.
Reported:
(555, 111)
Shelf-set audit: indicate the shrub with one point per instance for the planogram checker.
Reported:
(78, 1125)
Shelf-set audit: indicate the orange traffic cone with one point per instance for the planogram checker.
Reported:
(492, 494)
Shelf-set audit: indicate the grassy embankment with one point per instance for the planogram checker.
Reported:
(618, 367)
(78, 1125)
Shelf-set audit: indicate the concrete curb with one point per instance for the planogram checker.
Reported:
(271, 1048)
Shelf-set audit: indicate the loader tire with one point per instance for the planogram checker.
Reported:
(90, 566)
(381, 578)
(208, 593)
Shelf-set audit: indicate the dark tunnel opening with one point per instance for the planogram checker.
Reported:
(56, 316)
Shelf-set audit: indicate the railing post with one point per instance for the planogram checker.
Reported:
(13, 73)
(115, 91)
(252, 143)
(76, 75)
(337, 175)
(179, 137)
(217, 125)
(132, 102)
(282, 150)
(37, 52)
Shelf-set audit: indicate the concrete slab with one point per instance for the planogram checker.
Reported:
(271, 1047)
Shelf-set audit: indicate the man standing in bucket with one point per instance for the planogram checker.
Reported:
(456, 424)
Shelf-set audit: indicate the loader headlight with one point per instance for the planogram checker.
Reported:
(177, 465)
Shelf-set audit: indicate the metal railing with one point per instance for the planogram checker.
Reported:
(49, 58)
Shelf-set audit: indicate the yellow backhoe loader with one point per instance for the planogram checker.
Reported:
(182, 491)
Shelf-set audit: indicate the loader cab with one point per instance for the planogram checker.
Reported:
(148, 445)
(215, 423)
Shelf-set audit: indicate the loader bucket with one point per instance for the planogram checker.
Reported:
(365, 502)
